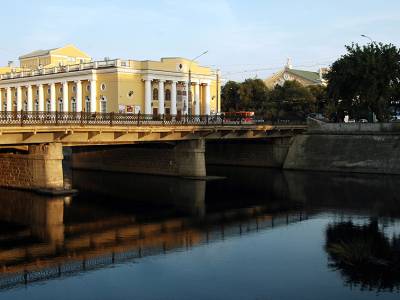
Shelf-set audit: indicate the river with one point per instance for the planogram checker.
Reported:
(246, 233)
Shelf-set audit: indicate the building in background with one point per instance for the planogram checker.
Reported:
(67, 80)
(306, 78)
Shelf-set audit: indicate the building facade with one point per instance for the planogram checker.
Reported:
(306, 78)
(67, 80)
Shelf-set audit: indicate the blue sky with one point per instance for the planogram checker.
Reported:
(244, 38)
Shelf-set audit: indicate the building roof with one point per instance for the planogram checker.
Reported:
(308, 75)
(37, 53)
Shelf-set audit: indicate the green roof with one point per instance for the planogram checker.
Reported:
(308, 75)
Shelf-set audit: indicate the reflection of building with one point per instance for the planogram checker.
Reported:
(67, 80)
(306, 78)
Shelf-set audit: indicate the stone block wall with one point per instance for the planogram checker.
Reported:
(184, 158)
(251, 153)
(41, 167)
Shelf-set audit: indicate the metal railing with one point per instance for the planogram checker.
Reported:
(22, 118)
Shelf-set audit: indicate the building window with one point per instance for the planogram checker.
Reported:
(103, 87)
(36, 105)
(74, 89)
(155, 94)
(48, 105)
(88, 87)
(60, 104)
(167, 94)
(61, 89)
(48, 90)
(37, 92)
(25, 106)
(73, 104)
(5, 106)
(103, 104)
(87, 104)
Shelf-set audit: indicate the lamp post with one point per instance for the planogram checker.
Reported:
(367, 37)
(190, 76)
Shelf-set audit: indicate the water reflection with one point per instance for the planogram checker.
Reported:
(123, 217)
(364, 255)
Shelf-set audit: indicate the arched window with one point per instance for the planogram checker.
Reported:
(60, 104)
(73, 104)
(155, 94)
(103, 104)
(87, 104)
(167, 94)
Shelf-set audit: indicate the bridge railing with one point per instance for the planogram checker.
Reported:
(22, 118)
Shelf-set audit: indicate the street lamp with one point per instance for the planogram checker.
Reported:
(367, 37)
(190, 77)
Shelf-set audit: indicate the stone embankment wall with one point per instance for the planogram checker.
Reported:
(184, 158)
(40, 168)
(362, 148)
(269, 153)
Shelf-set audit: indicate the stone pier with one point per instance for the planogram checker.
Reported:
(40, 168)
(182, 158)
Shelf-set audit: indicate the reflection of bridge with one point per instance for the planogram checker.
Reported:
(180, 144)
(90, 246)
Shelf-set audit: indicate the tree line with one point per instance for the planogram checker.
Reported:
(363, 82)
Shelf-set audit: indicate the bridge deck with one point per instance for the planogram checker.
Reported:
(89, 129)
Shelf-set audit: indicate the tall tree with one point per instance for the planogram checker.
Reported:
(253, 94)
(230, 96)
(365, 79)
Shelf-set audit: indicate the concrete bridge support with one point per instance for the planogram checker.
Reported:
(181, 158)
(40, 168)
(269, 152)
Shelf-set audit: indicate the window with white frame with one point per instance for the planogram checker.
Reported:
(103, 104)
(87, 104)
(73, 104)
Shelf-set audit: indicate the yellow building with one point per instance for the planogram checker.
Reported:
(67, 80)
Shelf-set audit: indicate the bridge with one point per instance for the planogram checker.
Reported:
(162, 144)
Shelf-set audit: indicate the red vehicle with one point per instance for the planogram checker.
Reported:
(239, 116)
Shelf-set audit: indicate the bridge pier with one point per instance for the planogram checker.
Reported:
(180, 158)
(40, 168)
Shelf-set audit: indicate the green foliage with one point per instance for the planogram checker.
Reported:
(230, 96)
(292, 100)
(366, 79)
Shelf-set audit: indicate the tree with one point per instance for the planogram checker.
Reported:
(253, 94)
(293, 99)
(230, 96)
(365, 80)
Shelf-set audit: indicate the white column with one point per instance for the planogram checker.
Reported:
(9, 99)
(78, 95)
(173, 98)
(30, 99)
(207, 99)
(41, 97)
(161, 96)
(19, 98)
(197, 99)
(93, 95)
(65, 97)
(186, 99)
(147, 96)
(53, 97)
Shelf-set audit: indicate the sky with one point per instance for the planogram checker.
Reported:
(245, 39)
